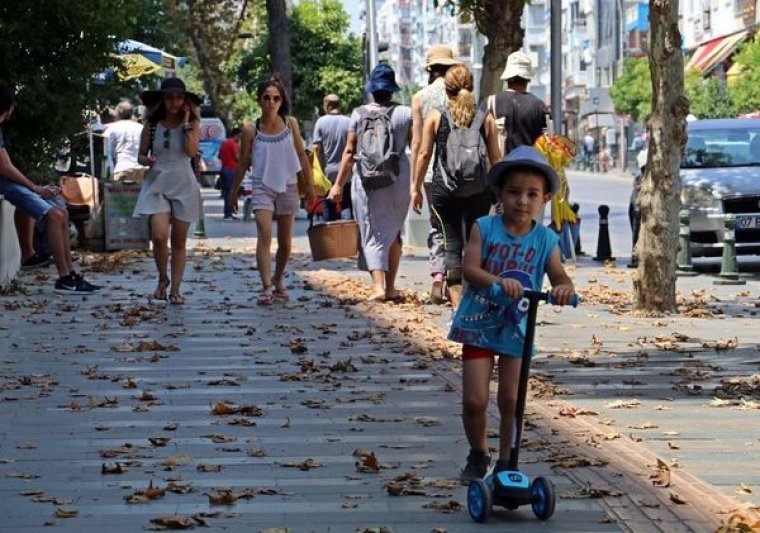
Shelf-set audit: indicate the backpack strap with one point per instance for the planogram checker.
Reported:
(478, 120)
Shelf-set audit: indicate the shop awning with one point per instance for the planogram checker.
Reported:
(708, 55)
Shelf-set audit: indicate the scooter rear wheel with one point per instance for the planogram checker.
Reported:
(542, 498)
(479, 500)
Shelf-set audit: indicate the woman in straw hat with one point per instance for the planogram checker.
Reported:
(170, 192)
(440, 58)
(456, 214)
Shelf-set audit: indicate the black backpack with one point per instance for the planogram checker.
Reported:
(465, 171)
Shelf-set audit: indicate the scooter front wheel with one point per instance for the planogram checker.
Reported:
(542, 498)
(479, 500)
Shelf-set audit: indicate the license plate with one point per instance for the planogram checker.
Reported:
(748, 222)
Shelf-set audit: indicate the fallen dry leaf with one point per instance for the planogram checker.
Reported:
(308, 464)
(743, 490)
(367, 462)
(65, 512)
(661, 478)
(170, 522)
(450, 506)
(675, 498)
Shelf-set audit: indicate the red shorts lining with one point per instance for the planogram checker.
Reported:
(474, 352)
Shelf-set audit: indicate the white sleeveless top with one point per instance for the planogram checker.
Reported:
(275, 160)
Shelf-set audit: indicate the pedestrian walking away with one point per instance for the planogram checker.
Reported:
(440, 58)
(38, 205)
(505, 254)
(378, 136)
(330, 135)
(123, 144)
(273, 147)
(229, 154)
(523, 114)
(170, 192)
(460, 193)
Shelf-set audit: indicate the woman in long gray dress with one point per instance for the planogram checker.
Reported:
(380, 212)
(170, 192)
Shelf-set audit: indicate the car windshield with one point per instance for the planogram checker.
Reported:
(722, 147)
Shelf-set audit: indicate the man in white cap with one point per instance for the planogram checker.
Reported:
(439, 59)
(524, 114)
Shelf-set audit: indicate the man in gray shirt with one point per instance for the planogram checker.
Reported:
(330, 134)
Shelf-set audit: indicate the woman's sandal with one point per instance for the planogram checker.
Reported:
(281, 294)
(160, 292)
(176, 299)
(265, 297)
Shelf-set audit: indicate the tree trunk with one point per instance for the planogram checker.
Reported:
(659, 195)
(279, 43)
(499, 20)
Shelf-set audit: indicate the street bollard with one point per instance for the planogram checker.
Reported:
(200, 226)
(603, 247)
(684, 266)
(577, 229)
(729, 266)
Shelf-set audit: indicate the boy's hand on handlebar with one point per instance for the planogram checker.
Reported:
(512, 288)
(562, 294)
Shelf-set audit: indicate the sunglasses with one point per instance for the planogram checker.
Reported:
(166, 139)
(270, 98)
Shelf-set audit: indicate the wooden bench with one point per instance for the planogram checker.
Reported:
(10, 254)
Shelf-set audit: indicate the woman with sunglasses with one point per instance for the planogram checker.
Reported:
(275, 150)
(170, 192)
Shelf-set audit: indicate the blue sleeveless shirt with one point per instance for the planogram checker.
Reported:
(494, 322)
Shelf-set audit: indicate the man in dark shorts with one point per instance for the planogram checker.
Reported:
(41, 204)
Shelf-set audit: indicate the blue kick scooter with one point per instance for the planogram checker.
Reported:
(511, 488)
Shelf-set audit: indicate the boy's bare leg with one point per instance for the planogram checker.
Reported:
(476, 378)
(509, 378)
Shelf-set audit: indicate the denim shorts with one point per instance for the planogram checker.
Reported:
(28, 201)
(265, 198)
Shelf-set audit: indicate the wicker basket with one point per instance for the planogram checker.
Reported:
(330, 240)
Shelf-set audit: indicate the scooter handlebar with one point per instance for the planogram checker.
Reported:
(548, 297)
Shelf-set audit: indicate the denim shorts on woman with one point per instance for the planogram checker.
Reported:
(265, 198)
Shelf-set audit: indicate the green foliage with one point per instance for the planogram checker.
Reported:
(743, 90)
(49, 51)
(632, 92)
(708, 98)
(325, 59)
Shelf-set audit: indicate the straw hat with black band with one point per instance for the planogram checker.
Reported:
(440, 54)
(169, 85)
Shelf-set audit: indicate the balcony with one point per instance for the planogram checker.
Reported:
(536, 35)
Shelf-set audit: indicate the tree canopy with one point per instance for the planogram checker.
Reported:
(329, 61)
(49, 51)
(743, 90)
(632, 91)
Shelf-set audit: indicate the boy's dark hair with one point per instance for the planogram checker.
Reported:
(6, 97)
(528, 169)
(234, 131)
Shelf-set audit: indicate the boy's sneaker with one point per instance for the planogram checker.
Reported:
(36, 261)
(476, 467)
(74, 284)
(500, 466)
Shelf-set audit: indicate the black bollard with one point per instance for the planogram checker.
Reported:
(576, 207)
(603, 247)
